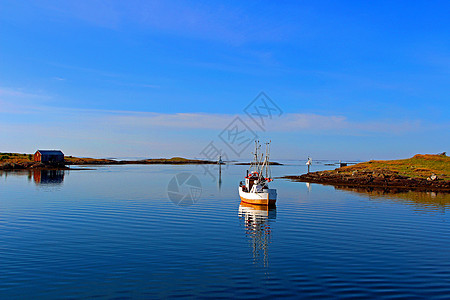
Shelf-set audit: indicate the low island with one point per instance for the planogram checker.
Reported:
(423, 172)
(17, 161)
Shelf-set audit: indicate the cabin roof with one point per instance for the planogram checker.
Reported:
(50, 152)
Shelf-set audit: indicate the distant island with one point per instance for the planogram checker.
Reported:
(17, 161)
(426, 172)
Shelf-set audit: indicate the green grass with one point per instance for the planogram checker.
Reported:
(15, 157)
(419, 166)
(176, 158)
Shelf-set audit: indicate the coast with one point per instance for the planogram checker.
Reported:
(151, 161)
(422, 172)
(16, 161)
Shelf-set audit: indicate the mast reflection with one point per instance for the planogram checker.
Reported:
(257, 220)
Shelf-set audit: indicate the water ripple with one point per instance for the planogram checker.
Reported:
(112, 233)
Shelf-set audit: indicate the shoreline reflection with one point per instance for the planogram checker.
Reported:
(39, 176)
(426, 200)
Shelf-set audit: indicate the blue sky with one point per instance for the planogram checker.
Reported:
(354, 79)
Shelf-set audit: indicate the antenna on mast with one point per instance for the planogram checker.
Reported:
(266, 160)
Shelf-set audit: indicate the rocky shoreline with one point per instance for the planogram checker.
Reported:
(30, 165)
(23, 165)
(156, 161)
(375, 179)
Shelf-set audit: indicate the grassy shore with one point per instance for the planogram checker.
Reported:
(422, 172)
(418, 166)
(15, 157)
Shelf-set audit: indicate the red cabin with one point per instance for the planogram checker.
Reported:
(49, 156)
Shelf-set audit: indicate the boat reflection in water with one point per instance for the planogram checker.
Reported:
(49, 177)
(257, 220)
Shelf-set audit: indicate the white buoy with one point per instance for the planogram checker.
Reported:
(309, 162)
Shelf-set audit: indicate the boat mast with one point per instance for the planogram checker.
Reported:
(254, 164)
(256, 153)
(261, 161)
(267, 158)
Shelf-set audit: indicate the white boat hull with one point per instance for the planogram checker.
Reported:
(265, 197)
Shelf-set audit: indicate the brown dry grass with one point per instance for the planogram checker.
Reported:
(418, 166)
(15, 158)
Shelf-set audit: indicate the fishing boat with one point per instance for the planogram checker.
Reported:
(255, 189)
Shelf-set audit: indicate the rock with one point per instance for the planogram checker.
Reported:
(37, 165)
(433, 177)
(8, 166)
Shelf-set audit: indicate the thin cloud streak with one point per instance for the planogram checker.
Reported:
(17, 93)
(291, 122)
(92, 132)
(287, 123)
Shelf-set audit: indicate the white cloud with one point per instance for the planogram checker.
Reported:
(287, 123)
(93, 132)
(134, 120)
(17, 93)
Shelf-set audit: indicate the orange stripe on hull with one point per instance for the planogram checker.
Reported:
(268, 202)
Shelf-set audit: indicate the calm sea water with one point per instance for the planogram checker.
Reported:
(113, 232)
